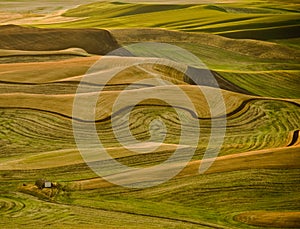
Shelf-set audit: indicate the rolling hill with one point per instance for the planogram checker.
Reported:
(249, 49)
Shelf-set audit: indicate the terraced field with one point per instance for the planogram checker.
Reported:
(245, 103)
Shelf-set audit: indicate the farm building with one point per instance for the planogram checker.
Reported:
(42, 183)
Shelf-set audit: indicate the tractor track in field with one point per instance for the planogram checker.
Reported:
(150, 216)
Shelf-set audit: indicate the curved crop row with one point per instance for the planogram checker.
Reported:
(251, 126)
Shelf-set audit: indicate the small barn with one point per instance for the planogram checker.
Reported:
(42, 183)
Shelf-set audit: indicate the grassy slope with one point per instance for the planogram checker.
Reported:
(264, 20)
(252, 65)
(260, 109)
(283, 84)
(228, 18)
(242, 55)
(193, 199)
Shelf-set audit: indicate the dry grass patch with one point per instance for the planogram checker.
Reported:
(67, 157)
(69, 51)
(284, 158)
(63, 104)
(43, 72)
(95, 41)
(270, 219)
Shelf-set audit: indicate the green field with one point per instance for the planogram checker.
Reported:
(250, 47)
(262, 20)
